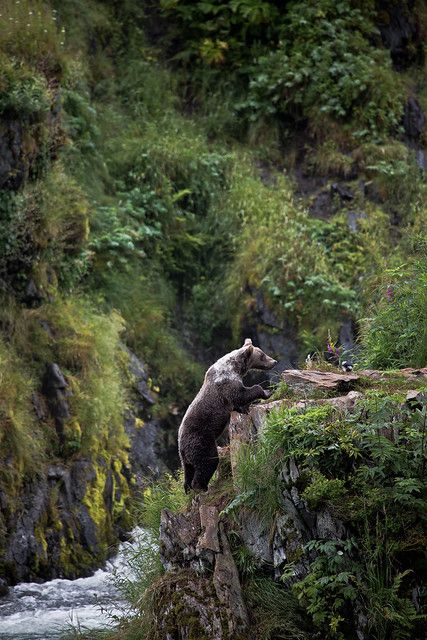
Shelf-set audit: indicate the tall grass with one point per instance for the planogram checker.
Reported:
(276, 611)
(396, 333)
(20, 436)
(29, 31)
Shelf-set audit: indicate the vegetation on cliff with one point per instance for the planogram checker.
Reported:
(324, 510)
(173, 174)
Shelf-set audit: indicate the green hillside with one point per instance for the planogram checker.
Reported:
(176, 176)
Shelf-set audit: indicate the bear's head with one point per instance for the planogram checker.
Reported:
(255, 358)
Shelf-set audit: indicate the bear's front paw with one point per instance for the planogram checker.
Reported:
(244, 409)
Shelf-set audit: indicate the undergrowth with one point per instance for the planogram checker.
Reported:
(368, 470)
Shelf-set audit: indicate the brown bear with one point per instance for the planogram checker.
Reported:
(207, 416)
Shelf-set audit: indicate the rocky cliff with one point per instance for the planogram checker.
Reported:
(292, 538)
(65, 520)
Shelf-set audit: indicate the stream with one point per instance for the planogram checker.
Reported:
(33, 611)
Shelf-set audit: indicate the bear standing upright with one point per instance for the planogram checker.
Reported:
(207, 416)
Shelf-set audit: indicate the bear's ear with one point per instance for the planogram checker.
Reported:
(248, 349)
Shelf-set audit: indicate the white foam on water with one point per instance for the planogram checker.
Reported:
(35, 611)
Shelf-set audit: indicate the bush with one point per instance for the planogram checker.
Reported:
(325, 64)
(23, 92)
(44, 228)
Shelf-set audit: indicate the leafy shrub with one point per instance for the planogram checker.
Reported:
(396, 335)
(220, 31)
(44, 228)
(375, 457)
(23, 92)
(325, 63)
(329, 584)
(396, 175)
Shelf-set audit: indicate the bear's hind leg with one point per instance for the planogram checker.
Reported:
(204, 471)
(188, 476)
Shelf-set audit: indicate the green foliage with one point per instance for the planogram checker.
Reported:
(368, 469)
(146, 303)
(23, 92)
(277, 615)
(322, 490)
(168, 493)
(168, 184)
(29, 31)
(302, 60)
(219, 31)
(44, 228)
(329, 585)
(396, 175)
(325, 64)
(86, 345)
(294, 273)
(17, 424)
(395, 335)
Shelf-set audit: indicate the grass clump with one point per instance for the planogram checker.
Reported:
(276, 612)
(166, 494)
(87, 347)
(395, 335)
(20, 437)
(146, 302)
(294, 274)
(29, 32)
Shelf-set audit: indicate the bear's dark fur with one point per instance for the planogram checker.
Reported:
(207, 416)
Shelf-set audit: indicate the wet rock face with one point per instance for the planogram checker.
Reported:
(39, 530)
(196, 554)
(400, 33)
(13, 169)
(414, 120)
(56, 390)
(273, 336)
(143, 430)
(65, 520)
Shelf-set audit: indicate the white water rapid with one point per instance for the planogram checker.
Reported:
(44, 611)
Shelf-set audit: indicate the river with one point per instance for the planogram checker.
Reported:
(33, 611)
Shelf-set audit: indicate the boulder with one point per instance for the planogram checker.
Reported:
(320, 379)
